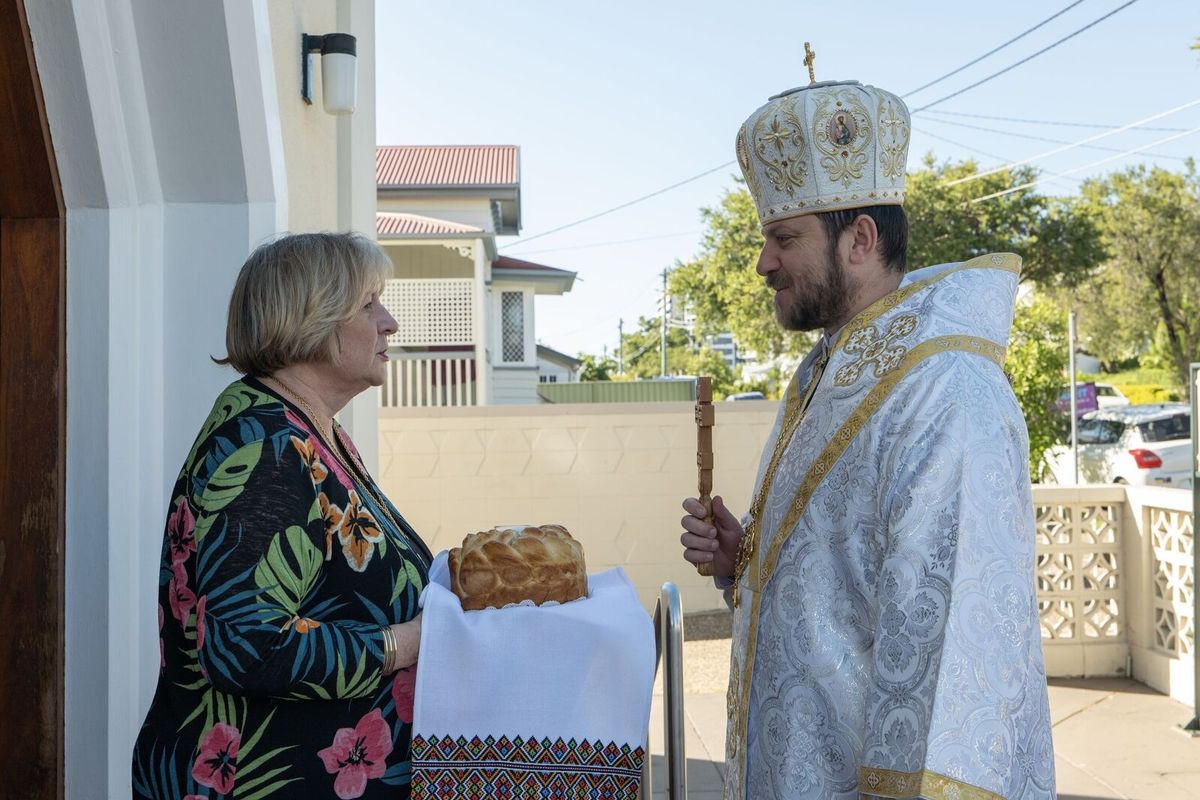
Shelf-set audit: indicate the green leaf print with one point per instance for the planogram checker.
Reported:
(236, 398)
(288, 571)
(230, 477)
(361, 684)
(404, 578)
(204, 524)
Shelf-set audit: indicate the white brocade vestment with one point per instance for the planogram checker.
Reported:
(886, 639)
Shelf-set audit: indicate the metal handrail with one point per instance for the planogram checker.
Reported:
(668, 648)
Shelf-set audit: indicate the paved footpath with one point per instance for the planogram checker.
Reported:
(1113, 737)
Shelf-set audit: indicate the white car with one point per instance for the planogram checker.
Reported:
(1145, 445)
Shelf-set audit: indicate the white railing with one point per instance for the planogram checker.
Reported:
(427, 379)
(1115, 583)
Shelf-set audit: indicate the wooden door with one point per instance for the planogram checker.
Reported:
(32, 426)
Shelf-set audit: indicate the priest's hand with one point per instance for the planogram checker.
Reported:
(705, 541)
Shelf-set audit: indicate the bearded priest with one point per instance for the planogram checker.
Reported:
(886, 640)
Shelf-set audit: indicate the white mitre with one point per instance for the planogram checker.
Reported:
(823, 147)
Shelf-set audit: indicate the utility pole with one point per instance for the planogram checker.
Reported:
(663, 354)
(1074, 414)
(620, 346)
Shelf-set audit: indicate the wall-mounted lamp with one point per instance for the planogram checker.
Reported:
(338, 81)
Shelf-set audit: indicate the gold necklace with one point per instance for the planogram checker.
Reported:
(332, 445)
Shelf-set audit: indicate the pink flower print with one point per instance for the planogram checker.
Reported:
(181, 531)
(216, 765)
(162, 650)
(194, 797)
(333, 464)
(358, 755)
(403, 691)
(181, 596)
(200, 622)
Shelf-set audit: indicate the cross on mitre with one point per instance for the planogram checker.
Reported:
(809, 57)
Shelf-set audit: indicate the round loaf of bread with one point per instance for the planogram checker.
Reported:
(497, 567)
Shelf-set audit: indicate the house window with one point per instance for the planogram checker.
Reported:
(512, 326)
(547, 379)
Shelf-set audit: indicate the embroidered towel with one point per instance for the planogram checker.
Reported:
(526, 701)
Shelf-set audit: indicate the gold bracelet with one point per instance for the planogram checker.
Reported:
(389, 650)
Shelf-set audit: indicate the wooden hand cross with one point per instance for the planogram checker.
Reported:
(705, 418)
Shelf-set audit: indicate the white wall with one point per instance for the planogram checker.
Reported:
(514, 385)
(475, 211)
(560, 373)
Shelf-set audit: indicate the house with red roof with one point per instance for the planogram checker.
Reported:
(466, 314)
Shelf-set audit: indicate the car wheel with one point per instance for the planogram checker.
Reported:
(1121, 481)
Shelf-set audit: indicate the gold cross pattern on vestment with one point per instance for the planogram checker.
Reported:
(809, 57)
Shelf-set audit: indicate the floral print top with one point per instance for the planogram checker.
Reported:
(280, 566)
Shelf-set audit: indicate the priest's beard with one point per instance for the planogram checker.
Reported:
(821, 301)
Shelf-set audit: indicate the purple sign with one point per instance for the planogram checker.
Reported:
(1085, 399)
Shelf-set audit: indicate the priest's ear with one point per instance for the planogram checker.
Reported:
(862, 238)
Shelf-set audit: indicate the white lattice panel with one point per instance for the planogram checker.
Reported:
(1172, 539)
(431, 311)
(1078, 572)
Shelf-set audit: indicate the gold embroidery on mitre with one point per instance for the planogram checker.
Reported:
(872, 349)
(842, 132)
(893, 138)
(778, 142)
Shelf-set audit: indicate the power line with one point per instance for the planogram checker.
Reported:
(1088, 140)
(1129, 152)
(626, 204)
(1051, 122)
(992, 156)
(966, 147)
(1048, 139)
(995, 50)
(1028, 58)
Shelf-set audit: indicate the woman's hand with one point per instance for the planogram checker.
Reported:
(705, 541)
(408, 641)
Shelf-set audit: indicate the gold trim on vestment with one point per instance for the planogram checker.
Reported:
(824, 463)
(795, 401)
(925, 784)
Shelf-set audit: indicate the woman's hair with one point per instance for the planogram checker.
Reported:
(293, 293)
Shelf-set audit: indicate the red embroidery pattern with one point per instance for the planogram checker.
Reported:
(445, 768)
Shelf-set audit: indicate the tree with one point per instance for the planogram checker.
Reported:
(1150, 226)
(643, 357)
(949, 221)
(596, 368)
(1037, 358)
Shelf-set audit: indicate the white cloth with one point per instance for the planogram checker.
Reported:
(581, 672)
(897, 646)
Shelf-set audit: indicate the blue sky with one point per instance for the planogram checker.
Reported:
(609, 102)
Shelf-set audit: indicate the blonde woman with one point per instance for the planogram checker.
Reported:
(288, 585)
